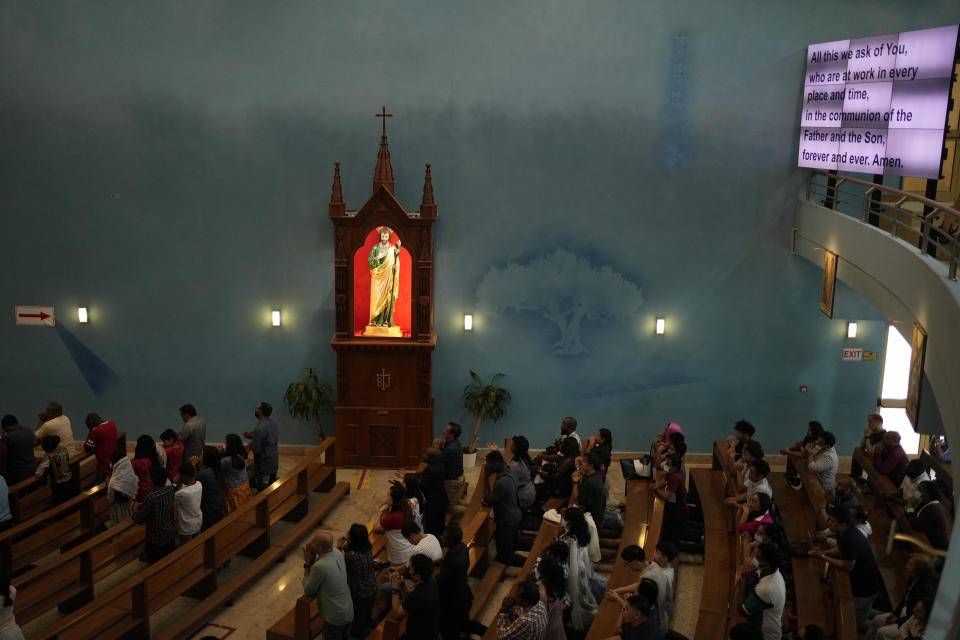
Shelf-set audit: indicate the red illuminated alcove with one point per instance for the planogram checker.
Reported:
(361, 285)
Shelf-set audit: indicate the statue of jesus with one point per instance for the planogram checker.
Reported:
(384, 263)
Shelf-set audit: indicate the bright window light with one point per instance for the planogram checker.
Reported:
(896, 366)
(82, 315)
(851, 329)
(468, 322)
(275, 317)
(661, 326)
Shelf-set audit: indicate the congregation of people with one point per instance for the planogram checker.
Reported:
(426, 581)
(180, 485)
(175, 486)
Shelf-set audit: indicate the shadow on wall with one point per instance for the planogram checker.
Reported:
(97, 374)
(565, 289)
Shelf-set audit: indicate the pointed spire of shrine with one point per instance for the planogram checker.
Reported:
(337, 207)
(428, 208)
(383, 174)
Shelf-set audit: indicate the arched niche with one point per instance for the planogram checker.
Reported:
(361, 285)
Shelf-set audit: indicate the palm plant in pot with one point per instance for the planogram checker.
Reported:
(483, 401)
(309, 399)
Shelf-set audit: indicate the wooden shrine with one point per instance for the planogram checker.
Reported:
(384, 339)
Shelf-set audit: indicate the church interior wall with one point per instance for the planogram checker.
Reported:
(169, 167)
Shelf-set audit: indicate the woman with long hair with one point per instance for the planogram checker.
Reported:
(144, 457)
(233, 466)
(555, 584)
(392, 516)
(411, 483)
(576, 535)
(521, 466)
(210, 477)
(757, 512)
(9, 630)
(360, 578)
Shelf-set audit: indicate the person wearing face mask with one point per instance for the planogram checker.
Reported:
(824, 461)
(672, 488)
(764, 601)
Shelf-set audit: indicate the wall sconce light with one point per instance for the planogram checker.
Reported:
(275, 317)
(468, 322)
(661, 325)
(82, 315)
(851, 329)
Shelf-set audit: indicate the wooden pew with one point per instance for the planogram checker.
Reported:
(193, 569)
(719, 563)
(30, 497)
(638, 524)
(817, 601)
(887, 518)
(303, 621)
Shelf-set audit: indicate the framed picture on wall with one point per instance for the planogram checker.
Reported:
(829, 287)
(918, 349)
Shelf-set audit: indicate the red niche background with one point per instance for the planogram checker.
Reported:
(361, 285)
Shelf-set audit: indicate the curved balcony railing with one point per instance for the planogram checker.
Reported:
(931, 226)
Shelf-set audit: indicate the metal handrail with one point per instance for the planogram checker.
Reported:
(932, 240)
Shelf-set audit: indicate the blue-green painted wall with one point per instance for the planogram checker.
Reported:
(168, 164)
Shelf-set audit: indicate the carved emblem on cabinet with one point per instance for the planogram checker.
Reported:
(383, 380)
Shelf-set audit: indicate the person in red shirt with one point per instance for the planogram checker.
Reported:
(174, 449)
(891, 460)
(101, 442)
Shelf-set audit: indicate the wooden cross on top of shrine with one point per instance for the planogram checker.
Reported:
(383, 114)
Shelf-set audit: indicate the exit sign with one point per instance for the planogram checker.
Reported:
(853, 354)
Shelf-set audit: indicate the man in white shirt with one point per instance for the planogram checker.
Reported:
(423, 543)
(664, 556)
(916, 473)
(771, 589)
(635, 558)
(52, 422)
(187, 499)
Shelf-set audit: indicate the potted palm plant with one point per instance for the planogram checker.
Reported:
(483, 401)
(309, 399)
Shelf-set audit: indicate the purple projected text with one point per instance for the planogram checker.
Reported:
(878, 104)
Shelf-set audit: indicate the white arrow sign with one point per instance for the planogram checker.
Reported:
(41, 316)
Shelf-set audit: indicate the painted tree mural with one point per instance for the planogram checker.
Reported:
(566, 289)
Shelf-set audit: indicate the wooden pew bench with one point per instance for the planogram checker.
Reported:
(193, 569)
(719, 563)
(638, 525)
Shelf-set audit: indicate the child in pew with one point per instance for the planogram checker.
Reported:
(187, 499)
(56, 465)
(174, 453)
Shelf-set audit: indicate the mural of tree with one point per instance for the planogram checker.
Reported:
(563, 287)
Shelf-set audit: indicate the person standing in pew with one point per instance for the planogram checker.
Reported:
(361, 578)
(52, 422)
(233, 469)
(854, 555)
(891, 459)
(455, 595)
(122, 487)
(823, 461)
(210, 477)
(101, 442)
(452, 457)
(635, 559)
(521, 467)
(144, 459)
(264, 442)
(187, 498)
(56, 465)
(156, 512)
(19, 442)
(506, 509)
(193, 435)
(420, 605)
(672, 488)
(928, 515)
(431, 481)
(325, 576)
(590, 493)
